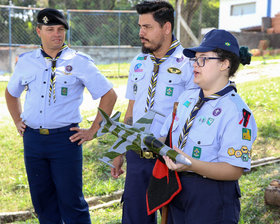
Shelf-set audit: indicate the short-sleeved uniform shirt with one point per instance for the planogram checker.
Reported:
(175, 76)
(74, 71)
(223, 130)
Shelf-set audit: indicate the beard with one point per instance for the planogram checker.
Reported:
(147, 50)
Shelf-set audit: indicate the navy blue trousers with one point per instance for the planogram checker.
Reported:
(204, 201)
(54, 171)
(139, 172)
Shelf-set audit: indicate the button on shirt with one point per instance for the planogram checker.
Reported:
(175, 76)
(74, 71)
(218, 133)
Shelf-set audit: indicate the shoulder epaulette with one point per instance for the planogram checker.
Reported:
(25, 53)
(84, 55)
(236, 99)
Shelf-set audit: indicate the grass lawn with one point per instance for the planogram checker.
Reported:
(262, 96)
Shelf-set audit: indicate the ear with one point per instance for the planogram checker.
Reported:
(38, 31)
(225, 65)
(167, 28)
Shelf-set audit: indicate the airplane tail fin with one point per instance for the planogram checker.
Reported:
(106, 122)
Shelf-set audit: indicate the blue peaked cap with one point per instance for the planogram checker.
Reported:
(214, 39)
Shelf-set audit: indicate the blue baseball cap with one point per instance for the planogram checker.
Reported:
(212, 40)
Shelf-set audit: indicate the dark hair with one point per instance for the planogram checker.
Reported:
(162, 11)
(234, 61)
(39, 26)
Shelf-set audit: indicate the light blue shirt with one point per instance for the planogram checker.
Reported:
(74, 72)
(217, 133)
(175, 76)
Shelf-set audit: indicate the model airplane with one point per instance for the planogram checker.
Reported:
(137, 137)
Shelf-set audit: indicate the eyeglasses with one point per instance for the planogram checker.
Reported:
(201, 60)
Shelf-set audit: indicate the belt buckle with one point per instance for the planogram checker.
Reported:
(44, 131)
(147, 155)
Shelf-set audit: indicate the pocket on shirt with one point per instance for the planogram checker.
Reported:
(172, 79)
(28, 81)
(65, 80)
(202, 139)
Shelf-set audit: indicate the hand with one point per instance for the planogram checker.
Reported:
(82, 135)
(20, 125)
(176, 166)
(117, 163)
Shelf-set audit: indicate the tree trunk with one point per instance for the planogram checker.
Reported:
(272, 193)
(188, 8)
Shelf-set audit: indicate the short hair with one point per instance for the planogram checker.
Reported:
(39, 26)
(231, 57)
(162, 11)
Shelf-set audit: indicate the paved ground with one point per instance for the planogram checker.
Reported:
(270, 69)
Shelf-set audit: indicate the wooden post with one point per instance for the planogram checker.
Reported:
(164, 214)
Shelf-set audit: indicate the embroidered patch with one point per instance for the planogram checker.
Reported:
(68, 68)
(231, 151)
(201, 120)
(137, 68)
(245, 118)
(244, 153)
(227, 44)
(246, 134)
(142, 58)
(217, 111)
(245, 157)
(174, 70)
(196, 152)
(244, 149)
(210, 121)
(169, 91)
(64, 91)
(238, 153)
(135, 88)
(180, 59)
(187, 104)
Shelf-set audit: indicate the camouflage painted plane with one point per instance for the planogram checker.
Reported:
(137, 137)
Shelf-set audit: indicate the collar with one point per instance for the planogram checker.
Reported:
(194, 95)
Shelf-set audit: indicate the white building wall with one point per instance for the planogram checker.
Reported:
(236, 23)
(275, 7)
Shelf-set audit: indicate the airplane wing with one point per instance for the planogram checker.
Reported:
(118, 148)
(144, 123)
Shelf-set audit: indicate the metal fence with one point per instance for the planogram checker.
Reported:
(96, 29)
(110, 37)
(87, 27)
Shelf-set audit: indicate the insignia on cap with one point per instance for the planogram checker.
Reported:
(45, 19)
(227, 44)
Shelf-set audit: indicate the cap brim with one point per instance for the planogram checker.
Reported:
(190, 52)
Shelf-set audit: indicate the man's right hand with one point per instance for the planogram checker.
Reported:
(20, 125)
(117, 171)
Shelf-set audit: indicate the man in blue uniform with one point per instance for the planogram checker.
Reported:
(157, 77)
(54, 77)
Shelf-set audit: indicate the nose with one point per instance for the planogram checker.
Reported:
(141, 32)
(195, 64)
